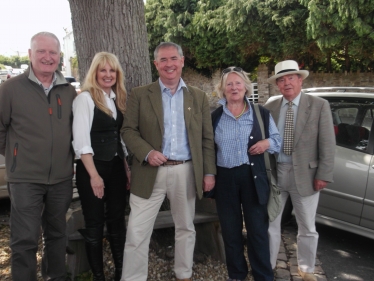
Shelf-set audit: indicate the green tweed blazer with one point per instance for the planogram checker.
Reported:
(143, 130)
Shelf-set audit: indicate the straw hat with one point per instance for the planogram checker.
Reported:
(285, 68)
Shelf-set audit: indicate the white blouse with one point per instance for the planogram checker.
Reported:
(83, 111)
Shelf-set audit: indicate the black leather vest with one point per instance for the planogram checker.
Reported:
(105, 135)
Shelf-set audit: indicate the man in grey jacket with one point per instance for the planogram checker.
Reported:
(306, 162)
(35, 138)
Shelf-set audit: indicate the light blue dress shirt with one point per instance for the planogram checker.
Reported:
(175, 144)
(283, 158)
(231, 137)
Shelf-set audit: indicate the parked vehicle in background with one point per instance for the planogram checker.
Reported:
(70, 79)
(3, 184)
(77, 86)
(17, 71)
(74, 83)
(348, 202)
(5, 74)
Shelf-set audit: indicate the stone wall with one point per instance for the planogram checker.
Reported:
(265, 90)
(319, 79)
(204, 83)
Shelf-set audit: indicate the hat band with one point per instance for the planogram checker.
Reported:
(286, 70)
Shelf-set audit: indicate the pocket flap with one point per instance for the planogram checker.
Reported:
(313, 164)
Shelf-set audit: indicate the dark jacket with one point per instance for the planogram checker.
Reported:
(36, 130)
(257, 162)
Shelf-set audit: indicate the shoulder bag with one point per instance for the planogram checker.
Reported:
(274, 203)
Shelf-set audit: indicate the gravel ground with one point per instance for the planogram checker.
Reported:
(160, 260)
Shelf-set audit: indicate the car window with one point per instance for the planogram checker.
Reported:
(352, 120)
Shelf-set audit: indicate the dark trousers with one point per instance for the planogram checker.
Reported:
(236, 197)
(111, 208)
(33, 206)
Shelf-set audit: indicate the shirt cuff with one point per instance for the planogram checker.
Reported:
(84, 150)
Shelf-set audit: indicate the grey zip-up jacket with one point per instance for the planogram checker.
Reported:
(36, 130)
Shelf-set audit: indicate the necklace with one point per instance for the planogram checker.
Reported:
(245, 106)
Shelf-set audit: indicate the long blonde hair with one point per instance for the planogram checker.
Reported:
(91, 85)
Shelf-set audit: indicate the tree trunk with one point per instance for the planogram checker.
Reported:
(347, 59)
(115, 26)
(328, 66)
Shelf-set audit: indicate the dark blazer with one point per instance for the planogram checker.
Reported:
(143, 129)
(314, 141)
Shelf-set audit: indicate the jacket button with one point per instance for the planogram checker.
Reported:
(252, 164)
(255, 177)
(115, 132)
(251, 137)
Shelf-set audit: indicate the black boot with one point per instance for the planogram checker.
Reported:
(94, 250)
(117, 237)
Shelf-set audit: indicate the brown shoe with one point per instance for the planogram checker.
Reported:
(307, 276)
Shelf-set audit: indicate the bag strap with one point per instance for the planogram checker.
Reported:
(266, 156)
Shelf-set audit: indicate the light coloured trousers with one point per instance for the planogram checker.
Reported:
(177, 182)
(305, 211)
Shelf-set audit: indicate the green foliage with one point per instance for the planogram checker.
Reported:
(74, 62)
(14, 61)
(85, 276)
(214, 34)
(343, 28)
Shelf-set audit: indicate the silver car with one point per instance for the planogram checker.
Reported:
(348, 203)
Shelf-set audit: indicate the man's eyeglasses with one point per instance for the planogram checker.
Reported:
(229, 69)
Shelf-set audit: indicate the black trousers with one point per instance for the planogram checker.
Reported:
(111, 208)
(236, 197)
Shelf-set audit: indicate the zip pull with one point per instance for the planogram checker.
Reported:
(15, 150)
(59, 101)
(50, 111)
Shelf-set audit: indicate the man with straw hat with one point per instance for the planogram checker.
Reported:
(306, 161)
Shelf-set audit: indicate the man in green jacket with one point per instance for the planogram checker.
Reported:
(35, 138)
(167, 125)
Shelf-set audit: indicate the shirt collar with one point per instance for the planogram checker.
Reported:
(112, 95)
(296, 101)
(223, 101)
(32, 77)
(180, 85)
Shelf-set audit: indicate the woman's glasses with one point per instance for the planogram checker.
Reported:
(229, 69)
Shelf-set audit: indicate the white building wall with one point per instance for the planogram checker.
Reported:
(69, 52)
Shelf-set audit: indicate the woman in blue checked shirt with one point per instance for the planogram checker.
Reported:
(242, 189)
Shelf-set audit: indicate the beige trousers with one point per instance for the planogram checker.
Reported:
(305, 209)
(178, 184)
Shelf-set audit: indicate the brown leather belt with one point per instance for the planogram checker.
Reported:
(174, 162)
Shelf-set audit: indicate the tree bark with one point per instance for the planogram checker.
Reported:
(115, 26)
(328, 62)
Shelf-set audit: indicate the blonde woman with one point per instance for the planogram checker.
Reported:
(102, 173)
